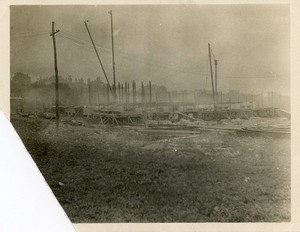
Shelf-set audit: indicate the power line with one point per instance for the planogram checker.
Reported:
(26, 33)
(28, 36)
(176, 70)
(75, 41)
(84, 42)
(137, 58)
(153, 62)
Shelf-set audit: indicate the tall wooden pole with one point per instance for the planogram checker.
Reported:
(221, 100)
(113, 52)
(97, 54)
(211, 75)
(216, 80)
(98, 90)
(107, 94)
(119, 91)
(126, 93)
(56, 76)
(143, 94)
(133, 93)
(150, 93)
(122, 88)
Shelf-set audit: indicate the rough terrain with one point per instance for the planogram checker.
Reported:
(126, 174)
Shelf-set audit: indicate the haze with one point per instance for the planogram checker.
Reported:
(166, 44)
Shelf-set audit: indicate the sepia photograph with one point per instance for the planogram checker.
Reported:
(156, 113)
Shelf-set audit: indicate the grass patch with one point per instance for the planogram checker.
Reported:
(117, 174)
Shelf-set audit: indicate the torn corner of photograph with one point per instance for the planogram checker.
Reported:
(27, 203)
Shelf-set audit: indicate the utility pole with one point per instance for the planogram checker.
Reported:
(128, 93)
(107, 94)
(85, 23)
(113, 52)
(216, 79)
(119, 88)
(56, 76)
(126, 100)
(221, 100)
(133, 93)
(211, 75)
(150, 93)
(143, 94)
(122, 88)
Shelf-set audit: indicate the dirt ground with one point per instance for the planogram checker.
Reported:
(126, 174)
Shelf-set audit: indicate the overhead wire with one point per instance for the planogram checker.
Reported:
(86, 43)
(28, 36)
(32, 32)
(137, 58)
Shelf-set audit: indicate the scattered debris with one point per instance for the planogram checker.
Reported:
(48, 115)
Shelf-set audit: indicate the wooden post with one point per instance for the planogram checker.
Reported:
(56, 77)
(107, 94)
(133, 93)
(212, 78)
(97, 54)
(113, 55)
(126, 93)
(122, 93)
(150, 93)
(119, 91)
(216, 82)
(98, 93)
(221, 100)
(143, 94)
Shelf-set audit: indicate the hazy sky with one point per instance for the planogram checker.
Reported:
(166, 44)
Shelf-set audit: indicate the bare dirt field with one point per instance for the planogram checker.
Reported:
(131, 174)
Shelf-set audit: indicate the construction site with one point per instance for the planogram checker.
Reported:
(135, 151)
